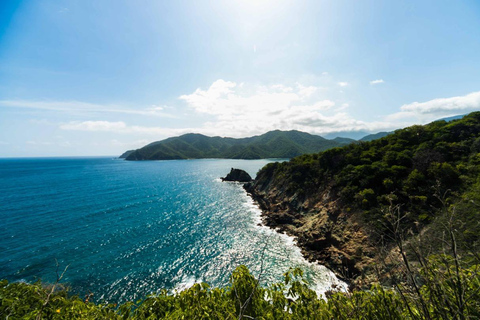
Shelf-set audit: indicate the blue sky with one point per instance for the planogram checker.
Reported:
(100, 77)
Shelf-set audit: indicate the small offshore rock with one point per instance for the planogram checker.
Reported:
(238, 175)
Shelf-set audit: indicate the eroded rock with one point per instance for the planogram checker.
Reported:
(237, 175)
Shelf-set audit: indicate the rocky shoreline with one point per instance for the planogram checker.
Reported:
(324, 232)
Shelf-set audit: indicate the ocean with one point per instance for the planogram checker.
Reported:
(126, 229)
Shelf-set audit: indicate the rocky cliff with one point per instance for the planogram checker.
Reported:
(325, 231)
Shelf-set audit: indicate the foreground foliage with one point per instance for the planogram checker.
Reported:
(448, 292)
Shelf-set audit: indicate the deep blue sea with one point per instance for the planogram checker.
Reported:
(127, 229)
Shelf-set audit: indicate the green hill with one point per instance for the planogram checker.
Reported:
(273, 144)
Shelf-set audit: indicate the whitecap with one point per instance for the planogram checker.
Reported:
(321, 278)
(186, 283)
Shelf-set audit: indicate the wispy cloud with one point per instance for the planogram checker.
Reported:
(78, 107)
(39, 143)
(378, 81)
(468, 102)
(437, 108)
(343, 84)
(119, 127)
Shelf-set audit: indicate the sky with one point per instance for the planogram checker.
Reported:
(89, 77)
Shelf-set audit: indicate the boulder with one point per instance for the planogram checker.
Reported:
(238, 175)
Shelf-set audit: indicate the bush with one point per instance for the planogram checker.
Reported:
(245, 299)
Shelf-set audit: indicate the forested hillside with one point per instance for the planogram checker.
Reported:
(341, 203)
(273, 144)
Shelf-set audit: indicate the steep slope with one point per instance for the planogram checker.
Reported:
(273, 144)
(339, 203)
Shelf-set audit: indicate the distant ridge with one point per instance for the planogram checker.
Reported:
(375, 136)
(382, 134)
(343, 140)
(448, 119)
(273, 144)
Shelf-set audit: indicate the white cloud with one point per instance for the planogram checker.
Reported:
(225, 99)
(118, 126)
(78, 107)
(306, 91)
(343, 84)
(437, 108)
(468, 102)
(240, 110)
(247, 110)
(378, 81)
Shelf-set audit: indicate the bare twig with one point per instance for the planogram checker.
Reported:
(47, 300)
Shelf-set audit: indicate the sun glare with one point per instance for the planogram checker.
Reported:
(260, 6)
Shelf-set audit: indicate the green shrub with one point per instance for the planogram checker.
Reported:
(245, 299)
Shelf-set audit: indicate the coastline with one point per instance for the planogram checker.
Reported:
(326, 279)
(323, 234)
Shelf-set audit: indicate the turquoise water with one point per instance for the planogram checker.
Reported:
(127, 229)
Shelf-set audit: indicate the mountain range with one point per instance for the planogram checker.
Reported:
(273, 144)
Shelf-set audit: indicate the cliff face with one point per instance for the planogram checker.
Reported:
(326, 231)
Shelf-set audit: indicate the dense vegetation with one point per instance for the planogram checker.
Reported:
(448, 293)
(273, 144)
(420, 168)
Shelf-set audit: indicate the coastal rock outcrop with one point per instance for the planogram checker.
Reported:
(237, 175)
